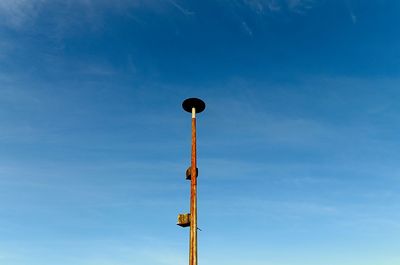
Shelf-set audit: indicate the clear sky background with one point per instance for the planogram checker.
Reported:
(298, 146)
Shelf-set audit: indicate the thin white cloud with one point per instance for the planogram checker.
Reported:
(181, 8)
(15, 13)
(353, 17)
(247, 29)
(300, 6)
(263, 6)
(19, 13)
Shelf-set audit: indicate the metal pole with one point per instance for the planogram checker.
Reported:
(193, 105)
(193, 197)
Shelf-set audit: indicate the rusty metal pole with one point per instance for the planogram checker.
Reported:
(193, 105)
(193, 196)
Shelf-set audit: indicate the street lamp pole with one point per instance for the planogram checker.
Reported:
(193, 105)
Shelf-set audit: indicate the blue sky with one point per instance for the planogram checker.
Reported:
(298, 146)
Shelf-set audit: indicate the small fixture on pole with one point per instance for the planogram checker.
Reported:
(192, 105)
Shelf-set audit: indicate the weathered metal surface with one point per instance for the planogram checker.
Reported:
(193, 105)
(193, 199)
(184, 220)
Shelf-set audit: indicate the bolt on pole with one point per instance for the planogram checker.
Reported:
(193, 105)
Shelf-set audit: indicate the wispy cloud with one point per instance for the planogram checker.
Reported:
(300, 6)
(20, 13)
(351, 12)
(264, 6)
(15, 13)
(247, 29)
(183, 10)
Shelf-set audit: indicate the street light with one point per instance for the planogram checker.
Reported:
(193, 105)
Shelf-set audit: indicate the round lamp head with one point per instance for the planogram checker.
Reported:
(196, 103)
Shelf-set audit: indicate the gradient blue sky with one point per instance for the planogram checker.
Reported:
(298, 147)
